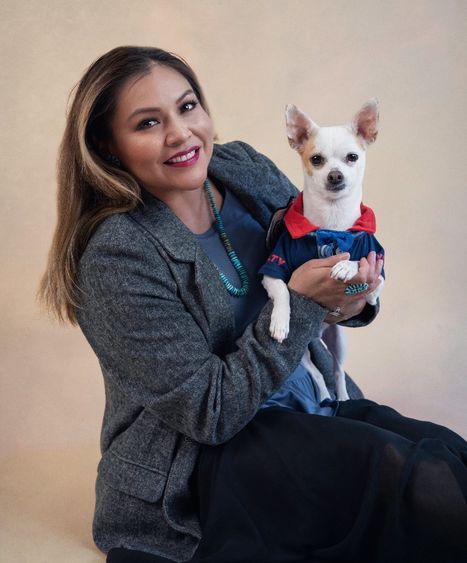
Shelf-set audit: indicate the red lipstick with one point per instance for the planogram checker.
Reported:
(184, 158)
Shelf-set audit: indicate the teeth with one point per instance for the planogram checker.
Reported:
(184, 157)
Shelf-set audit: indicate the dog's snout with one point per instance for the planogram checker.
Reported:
(335, 177)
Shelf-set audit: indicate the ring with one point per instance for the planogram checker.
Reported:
(354, 288)
(336, 313)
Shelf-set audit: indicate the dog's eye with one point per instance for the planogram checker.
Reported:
(316, 160)
(352, 157)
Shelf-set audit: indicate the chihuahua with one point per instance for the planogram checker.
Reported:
(327, 218)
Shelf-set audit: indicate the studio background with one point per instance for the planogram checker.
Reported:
(252, 58)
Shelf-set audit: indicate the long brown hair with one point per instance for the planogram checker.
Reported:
(91, 187)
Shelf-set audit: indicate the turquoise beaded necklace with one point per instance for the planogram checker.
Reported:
(239, 267)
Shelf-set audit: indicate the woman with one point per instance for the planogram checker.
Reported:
(192, 467)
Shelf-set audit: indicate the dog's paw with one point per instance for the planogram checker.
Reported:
(324, 397)
(279, 326)
(344, 270)
(343, 395)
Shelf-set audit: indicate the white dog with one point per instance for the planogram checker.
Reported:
(327, 218)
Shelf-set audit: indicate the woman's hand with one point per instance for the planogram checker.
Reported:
(313, 280)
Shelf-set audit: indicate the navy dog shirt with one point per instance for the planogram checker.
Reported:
(301, 241)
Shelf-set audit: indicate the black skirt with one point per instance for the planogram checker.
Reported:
(365, 486)
(368, 485)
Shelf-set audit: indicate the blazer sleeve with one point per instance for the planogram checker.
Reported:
(151, 347)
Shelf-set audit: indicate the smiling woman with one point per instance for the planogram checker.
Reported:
(194, 467)
(163, 136)
(92, 184)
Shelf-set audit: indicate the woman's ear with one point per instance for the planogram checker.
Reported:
(102, 148)
(105, 151)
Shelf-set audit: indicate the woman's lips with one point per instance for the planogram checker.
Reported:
(187, 158)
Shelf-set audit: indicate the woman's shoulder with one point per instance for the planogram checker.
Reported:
(253, 177)
(113, 230)
(235, 150)
(115, 237)
(240, 152)
(241, 160)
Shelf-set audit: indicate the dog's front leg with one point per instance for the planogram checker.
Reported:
(280, 317)
(336, 342)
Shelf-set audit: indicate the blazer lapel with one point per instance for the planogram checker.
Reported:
(200, 286)
(162, 224)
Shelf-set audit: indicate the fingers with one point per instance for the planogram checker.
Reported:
(369, 270)
(313, 280)
(379, 267)
(376, 267)
(328, 262)
(363, 271)
(371, 259)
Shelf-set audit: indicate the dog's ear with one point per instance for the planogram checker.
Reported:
(299, 126)
(365, 122)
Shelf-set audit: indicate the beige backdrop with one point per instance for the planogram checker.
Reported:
(253, 57)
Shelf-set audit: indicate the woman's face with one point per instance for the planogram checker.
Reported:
(161, 134)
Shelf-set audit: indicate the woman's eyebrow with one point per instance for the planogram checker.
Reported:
(149, 109)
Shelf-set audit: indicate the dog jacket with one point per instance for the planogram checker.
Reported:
(301, 241)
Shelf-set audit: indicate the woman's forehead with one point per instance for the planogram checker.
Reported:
(160, 85)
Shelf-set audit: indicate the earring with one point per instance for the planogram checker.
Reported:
(112, 159)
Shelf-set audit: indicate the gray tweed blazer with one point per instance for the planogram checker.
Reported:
(160, 322)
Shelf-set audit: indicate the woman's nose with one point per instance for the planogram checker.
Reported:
(177, 132)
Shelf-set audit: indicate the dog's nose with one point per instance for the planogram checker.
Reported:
(335, 177)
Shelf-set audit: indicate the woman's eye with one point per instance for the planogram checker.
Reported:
(147, 123)
(352, 157)
(190, 105)
(316, 160)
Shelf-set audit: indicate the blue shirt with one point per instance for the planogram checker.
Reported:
(290, 253)
(301, 240)
(299, 391)
(248, 240)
